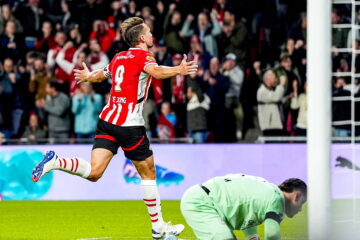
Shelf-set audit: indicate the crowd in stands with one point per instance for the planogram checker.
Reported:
(251, 79)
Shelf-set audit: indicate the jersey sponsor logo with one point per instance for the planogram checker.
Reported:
(150, 58)
(124, 57)
(119, 99)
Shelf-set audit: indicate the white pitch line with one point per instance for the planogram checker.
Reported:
(99, 238)
(92, 238)
(284, 238)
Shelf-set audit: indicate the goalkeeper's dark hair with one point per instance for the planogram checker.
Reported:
(293, 184)
(131, 29)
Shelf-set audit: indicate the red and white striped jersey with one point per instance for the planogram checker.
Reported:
(130, 86)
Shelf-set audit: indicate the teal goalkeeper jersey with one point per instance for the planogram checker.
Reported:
(243, 201)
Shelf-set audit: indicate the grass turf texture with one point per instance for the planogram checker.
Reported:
(60, 220)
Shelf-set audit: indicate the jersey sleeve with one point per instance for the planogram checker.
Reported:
(147, 59)
(275, 210)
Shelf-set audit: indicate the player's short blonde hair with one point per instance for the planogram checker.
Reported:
(131, 29)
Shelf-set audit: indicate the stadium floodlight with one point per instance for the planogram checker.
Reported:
(319, 118)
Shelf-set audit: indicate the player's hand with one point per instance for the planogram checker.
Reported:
(82, 75)
(187, 68)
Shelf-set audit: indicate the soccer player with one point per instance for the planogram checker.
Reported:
(241, 202)
(121, 123)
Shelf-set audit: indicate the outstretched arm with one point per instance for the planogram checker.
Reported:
(86, 76)
(163, 72)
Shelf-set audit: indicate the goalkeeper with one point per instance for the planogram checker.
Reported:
(241, 202)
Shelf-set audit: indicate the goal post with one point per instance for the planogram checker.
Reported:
(319, 72)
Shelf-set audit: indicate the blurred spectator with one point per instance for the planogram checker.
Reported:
(40, 76)
(216, 85)
(133, 11)
(149, 114)
(178, 98)
(47, 41)
(172, 28)
(197, 108)
(118, 44)
(34, 133)
(232, 97)
(74, 35)
(292, 80)
(252, 82)
(198, 54)
(69, 67)
(341, 110)
(300, 102)
(86, 106)
(159, 20)
(220, 6)
(11, 99)
(162, 89)
(298, 30)
(339, 35)
(57, 105)
(87, 13)
(11, 44)
(269, 98)
(234, 37)
(60, 75)
(163, 57)
(146, 13)
(118, 13)
(297, 53)
(64, 19)
(166, 122)
(103, 34)
(5, 16)
(204, 30)
(178, 84)
(96, 58)
(31, 17)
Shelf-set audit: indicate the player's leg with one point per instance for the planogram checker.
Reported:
(137, 149)
(51, 161)
(200, 214)
(151, 197)
(100, 159)
(105, 147)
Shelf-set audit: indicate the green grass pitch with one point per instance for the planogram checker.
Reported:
(91, 220)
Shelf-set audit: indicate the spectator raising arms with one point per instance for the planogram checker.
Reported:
(204, 30)
(269, 98)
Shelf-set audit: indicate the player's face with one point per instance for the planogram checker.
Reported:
(295, 205)
(147, 37)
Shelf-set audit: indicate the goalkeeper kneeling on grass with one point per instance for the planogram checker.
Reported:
(241, 202)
